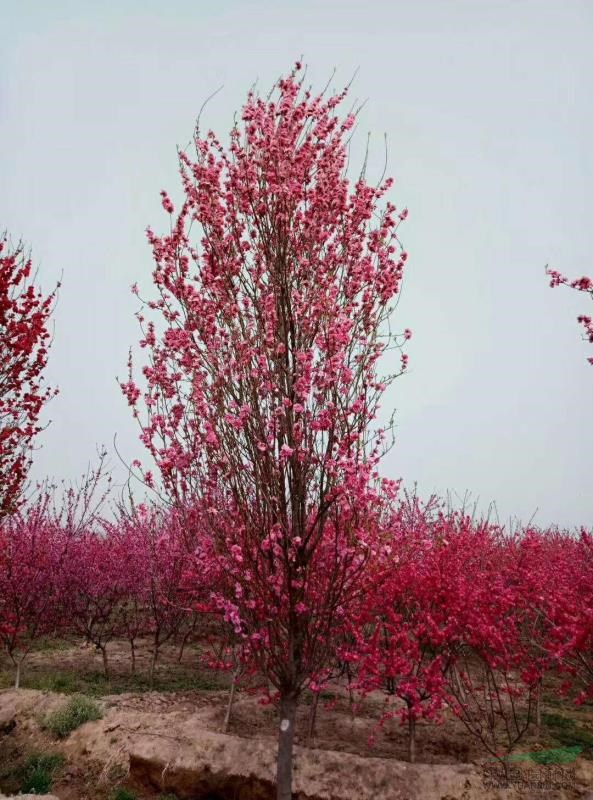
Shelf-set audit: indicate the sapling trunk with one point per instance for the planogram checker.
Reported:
(412, 739)
(312, 718)
(229, 708)
(153, 660)
(17, 675)
(288, 707)
(459, 682)
(350, 695)
(133, 651)
(538, 706)
(103, 649)
(183, 643)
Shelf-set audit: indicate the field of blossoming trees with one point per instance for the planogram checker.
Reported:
(267, 570)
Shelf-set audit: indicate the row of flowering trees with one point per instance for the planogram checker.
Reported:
(96, 581)
(453, 613)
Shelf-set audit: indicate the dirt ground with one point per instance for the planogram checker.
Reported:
(189, 701)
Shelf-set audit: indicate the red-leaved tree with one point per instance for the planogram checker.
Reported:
(275, 285)
(24, 343)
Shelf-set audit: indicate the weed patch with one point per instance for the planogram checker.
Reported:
(38, 772)
(74, 713)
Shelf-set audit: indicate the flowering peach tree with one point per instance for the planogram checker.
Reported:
(261, 384)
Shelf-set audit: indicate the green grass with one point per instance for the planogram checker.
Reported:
(567, 732)
(557, 721)
(38, 772)
(561, 755)
(325, 696)
(123, 794)
(74, 713)
(95, 684)
(556, 755)
(49, 645)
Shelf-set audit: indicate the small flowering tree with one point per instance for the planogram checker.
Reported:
(97, 584)
(275, 283)
(33, 550)
(568, 611)
(400, 627)
(24, 344)
(128, 615)
(583, 284)
(543, 574)
(451, 624)
(494, 678)
(37, 555)
(154, 544)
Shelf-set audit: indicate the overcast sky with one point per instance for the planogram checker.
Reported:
(488, 114)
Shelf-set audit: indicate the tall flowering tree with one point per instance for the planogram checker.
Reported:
(583, 284)
(275, 284)
(24, 343)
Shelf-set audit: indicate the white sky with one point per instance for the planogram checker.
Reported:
(487, 108)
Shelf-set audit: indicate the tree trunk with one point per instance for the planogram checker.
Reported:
(288, 707)
(538, 706)
(105, 661)
(17, 676)
(155, 655)
(312, 718)
(133, 649)
(229, 708)
(350, 695)
(459, 683)
(183, 643)
(412, 739)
